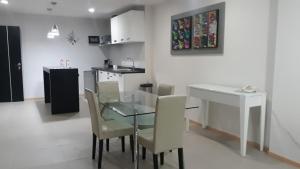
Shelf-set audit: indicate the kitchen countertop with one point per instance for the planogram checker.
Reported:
(47, 69)
(120, 71)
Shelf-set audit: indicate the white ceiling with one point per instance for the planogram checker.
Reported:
(75, 8)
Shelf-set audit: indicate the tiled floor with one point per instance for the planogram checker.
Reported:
(32, 138)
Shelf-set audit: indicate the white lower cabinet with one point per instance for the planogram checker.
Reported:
(127, 82)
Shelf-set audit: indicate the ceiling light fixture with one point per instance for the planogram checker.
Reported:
(92, 10)
(4, 2)
(50, 35)
(54, 30)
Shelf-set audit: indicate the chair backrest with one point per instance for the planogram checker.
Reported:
(165, 89)
(109, 91)
(169, 123)
(94, 111)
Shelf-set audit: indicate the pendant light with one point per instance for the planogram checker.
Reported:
(50, 35)
(54, 30)
(5, 2)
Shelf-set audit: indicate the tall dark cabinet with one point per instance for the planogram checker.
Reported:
(11, 84)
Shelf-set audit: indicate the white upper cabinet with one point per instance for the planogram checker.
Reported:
(128, 27)
(114, 22)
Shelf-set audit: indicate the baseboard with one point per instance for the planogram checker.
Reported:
(42, 98)
(34, 98)
(252, 144)
(283, 159)
(232, 136)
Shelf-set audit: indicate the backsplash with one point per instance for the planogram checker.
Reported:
(119, 54)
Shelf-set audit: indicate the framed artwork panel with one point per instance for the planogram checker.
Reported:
(182, 33)
(205, 32)
(198, 32)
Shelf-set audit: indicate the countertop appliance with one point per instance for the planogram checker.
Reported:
(107, 63)
(105, 39)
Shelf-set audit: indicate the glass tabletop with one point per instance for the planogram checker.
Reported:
(124, 106)
(130, 103)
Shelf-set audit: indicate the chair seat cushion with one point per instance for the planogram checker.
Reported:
(114, 128)
(145, 138)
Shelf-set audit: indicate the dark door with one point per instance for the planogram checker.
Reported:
(5, 91)
(15, 63)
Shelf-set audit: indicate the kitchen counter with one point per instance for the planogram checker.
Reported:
(48, 69)
(120, 70)
(128, 79)
(61, 89)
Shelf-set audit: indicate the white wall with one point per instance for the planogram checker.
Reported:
(119, 54)
(285, 128)
(38, 51)
(243, 61)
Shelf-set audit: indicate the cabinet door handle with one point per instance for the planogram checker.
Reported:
(122, 39)
(19, 65)
(115, 40)
(128, 38)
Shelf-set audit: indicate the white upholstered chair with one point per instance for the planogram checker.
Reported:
(162, 90)
(165, 89)
(108, 91)
(167, 133)
(104, 129)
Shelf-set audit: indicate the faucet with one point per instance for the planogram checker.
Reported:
(131, 59)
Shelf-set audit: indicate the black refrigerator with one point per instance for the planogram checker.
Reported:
(11, 84)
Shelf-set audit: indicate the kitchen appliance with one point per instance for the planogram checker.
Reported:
(105, 39)
(107, 63)
(89, 79)
(94, 40)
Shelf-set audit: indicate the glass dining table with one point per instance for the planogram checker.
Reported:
(134, 107)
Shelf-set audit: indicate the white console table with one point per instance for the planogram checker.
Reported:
(231, 96)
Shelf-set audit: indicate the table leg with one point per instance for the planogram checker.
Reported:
(204, 111)
(262, 123)
(136, 146)
(244, 120)
(96, 78)
(187, 122)
(136, 166)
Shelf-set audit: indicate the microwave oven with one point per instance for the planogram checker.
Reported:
(105, 39)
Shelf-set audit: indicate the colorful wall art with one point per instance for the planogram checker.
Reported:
(199, 31)
(182, 33)
(205, 30)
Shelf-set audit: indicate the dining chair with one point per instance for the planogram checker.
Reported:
(147, 122)
(167, 133)
(108, 91)
(105, 129)
(165, 89)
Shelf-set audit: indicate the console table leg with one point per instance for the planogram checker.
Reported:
(244, 121)
(205, 110)
(187, 123)
(262, 123)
